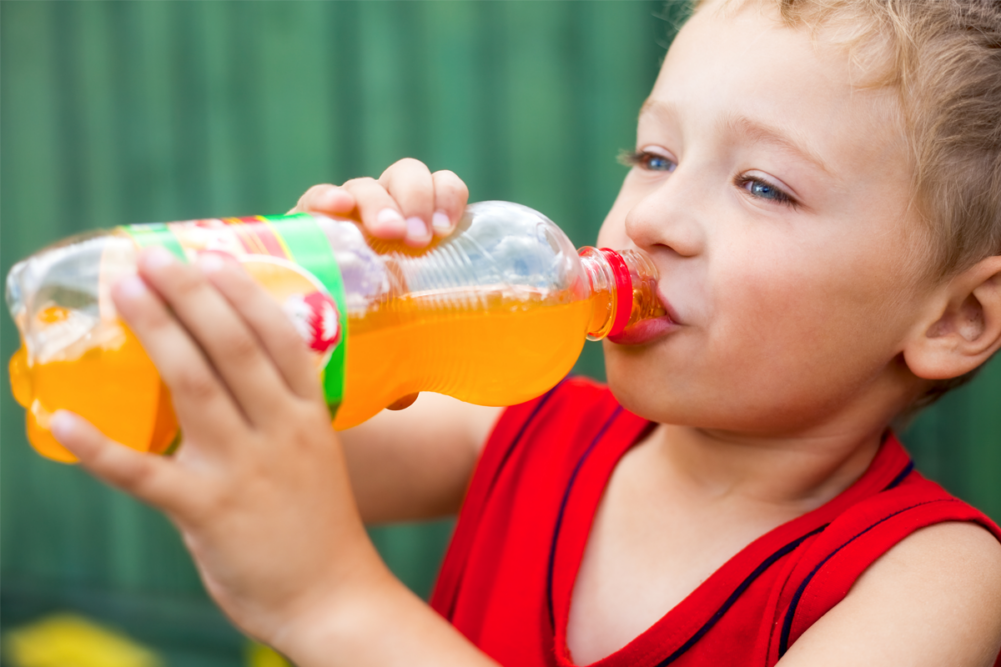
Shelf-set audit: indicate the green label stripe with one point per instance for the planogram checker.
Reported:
(156, 233)
(311, 250)
(307, 246)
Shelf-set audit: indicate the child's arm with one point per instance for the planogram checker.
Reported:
(260, 488)
(934, 599)
(416, 463)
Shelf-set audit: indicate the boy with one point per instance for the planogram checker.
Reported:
(809, 179)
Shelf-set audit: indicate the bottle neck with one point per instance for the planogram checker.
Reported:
(623, 290)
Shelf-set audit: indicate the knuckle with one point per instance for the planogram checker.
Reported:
(152, 319)
(186, 283)
(287, 337)
(129, 473)
(318, 189)
(215, 500)
(451, 186)
(239, 347)
(237, 285)
(141, 478)
(359, 183)
(310, 420)
(448, 177)
(410, 163)
(196, 384)
(309, 196)
(220, 499)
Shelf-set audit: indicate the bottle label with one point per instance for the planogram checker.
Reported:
(290, 256)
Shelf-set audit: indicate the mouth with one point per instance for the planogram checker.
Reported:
(645, 331)
(651, 329)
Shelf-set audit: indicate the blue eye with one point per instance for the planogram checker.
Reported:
(657, 163)
(764, 190)
(648, 161)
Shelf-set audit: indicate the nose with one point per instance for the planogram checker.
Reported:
(669, 215)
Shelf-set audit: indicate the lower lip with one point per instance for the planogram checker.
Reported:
(645, 331)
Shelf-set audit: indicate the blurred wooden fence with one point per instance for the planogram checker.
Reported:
(116, 112)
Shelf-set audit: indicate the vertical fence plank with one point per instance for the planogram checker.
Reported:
(129, 112)
(296, 103)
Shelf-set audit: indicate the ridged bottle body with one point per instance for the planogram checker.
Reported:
(494, 314)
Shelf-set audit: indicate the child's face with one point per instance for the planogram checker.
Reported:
(773, 197)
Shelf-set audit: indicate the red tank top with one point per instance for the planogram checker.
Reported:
(509, 571)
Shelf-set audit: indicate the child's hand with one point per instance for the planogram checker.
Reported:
(259, 488)
(407, 202)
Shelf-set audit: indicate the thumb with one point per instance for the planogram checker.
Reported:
(152, 479)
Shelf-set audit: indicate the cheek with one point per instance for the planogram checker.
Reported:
(806, 317)
(613, 230)
(612, 233)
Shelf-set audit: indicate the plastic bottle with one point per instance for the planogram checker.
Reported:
(494, 314)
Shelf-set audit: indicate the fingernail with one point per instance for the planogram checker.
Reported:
(210, 262)
(158, 257)
(391, 222)
(62, 424)
(131, 287)
(441, 224)
(417, 230)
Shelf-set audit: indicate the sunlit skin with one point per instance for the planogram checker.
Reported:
(774, 199)
(801, 328)
(775, 265)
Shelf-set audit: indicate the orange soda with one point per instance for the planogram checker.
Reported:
(494, 314)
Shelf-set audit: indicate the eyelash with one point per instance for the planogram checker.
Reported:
(782, 198)
(642, 159)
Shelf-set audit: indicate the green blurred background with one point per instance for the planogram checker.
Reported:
(123, 112)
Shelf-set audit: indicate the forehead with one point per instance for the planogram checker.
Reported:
(737, 65)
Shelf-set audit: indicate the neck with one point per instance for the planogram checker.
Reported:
(795, 469)
(791, 473)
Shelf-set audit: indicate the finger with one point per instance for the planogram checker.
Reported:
(230, 346)
(409, 182)
(270, 324)
(450, 198)
(201, 402)
(152, 479)
(375, 207)
(325, 198)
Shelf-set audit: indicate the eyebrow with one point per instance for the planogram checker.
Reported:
(770, 134)
(755, 129)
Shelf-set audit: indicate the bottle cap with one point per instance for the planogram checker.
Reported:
(623, 290)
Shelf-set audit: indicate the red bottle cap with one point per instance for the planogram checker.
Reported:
(623, 290)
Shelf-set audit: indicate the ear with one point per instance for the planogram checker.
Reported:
(963, 326)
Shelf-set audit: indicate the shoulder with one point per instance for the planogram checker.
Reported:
(932, 599)
(958, 550)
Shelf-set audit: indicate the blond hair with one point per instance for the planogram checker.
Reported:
(943, 58)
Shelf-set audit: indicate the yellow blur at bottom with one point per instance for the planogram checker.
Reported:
(259, 655)
(71, 640)
(68, 640)
(501, 354)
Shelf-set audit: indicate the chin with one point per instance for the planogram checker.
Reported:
(647, 392)
(636, 390)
